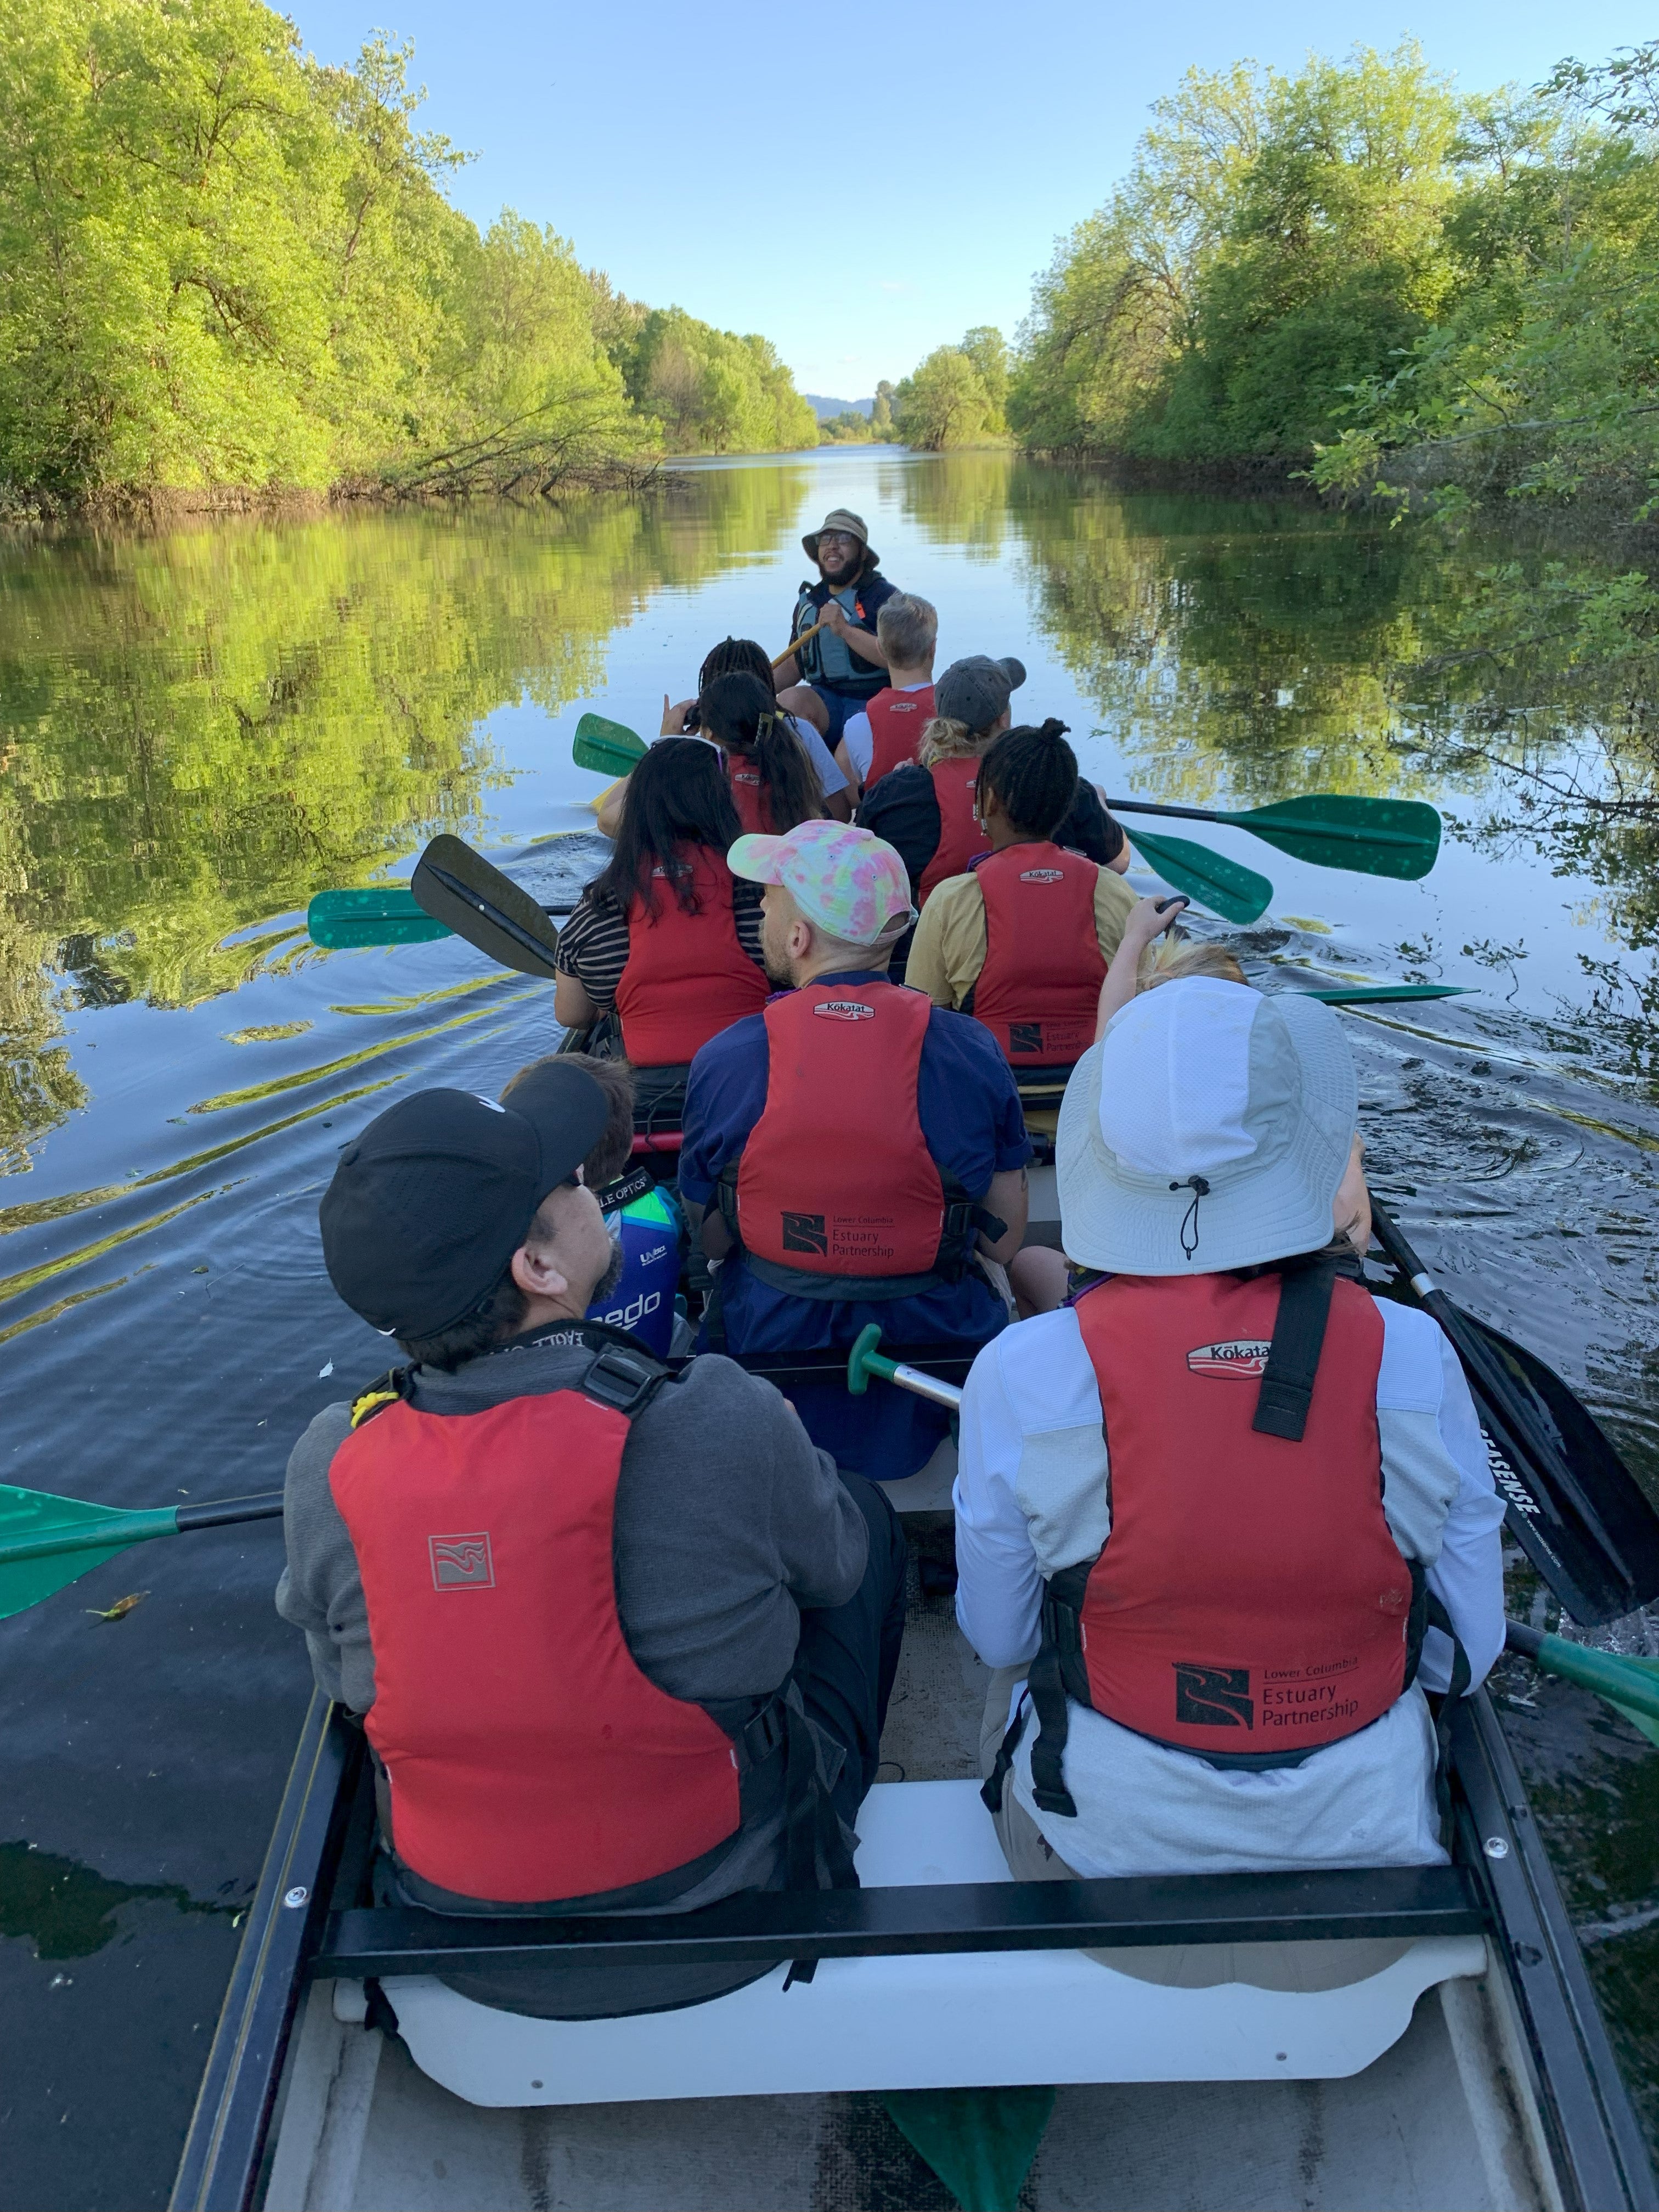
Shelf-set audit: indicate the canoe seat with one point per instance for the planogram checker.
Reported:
(1187, 2012)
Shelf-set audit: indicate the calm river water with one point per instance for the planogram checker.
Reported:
(200, 729)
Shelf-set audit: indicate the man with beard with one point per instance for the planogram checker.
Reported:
(846, 663)
(856, 1154)
(620, 1640)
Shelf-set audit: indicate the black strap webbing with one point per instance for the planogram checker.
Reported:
(1286, 1392)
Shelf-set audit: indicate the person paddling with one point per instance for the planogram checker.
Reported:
(857, 1155)
(889, 730)
(663, 940)
(846, 663)
(1024, 939)
(1215, 1520)
(618, 1642)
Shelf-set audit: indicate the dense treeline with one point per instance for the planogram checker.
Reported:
(223, 264)
(1356, 268)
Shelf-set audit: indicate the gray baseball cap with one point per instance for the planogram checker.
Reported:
(975, 690)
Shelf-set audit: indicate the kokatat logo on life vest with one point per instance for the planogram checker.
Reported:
(845, 1009)
(1213, 1697)
(1043, 876)
(462, 1562)
(1245, 1356)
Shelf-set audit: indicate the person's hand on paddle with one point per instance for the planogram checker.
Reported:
(674, 717)
(834, 617)
(1148, 917)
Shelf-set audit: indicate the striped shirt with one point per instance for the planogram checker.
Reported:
(593, 942)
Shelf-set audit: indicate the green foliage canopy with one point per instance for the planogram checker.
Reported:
(225, 266)
(955, 396)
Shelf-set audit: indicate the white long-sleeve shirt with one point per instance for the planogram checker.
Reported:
(1031, 1499)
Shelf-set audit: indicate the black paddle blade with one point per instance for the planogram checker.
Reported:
(1614, 1565)
(1573, 1506)
(460, 887)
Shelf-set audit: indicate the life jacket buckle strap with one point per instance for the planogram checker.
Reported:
(1285, 1395)
(622, 1381)
(765, 1734)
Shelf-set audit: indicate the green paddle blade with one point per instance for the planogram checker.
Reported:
(980, 2142)
(385, 913)
(1236, 894)
(1371, 995)
(1398, 838)
(46, 1542)
(606, 747)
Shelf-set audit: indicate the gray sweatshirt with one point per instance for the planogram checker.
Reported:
(728, 1521)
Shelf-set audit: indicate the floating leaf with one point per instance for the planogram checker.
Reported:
(121, 1608)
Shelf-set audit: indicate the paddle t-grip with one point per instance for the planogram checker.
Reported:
(864, 1361)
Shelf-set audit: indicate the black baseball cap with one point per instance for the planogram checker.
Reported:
(428, 1205)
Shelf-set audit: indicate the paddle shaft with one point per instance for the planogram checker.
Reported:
(138, 1527)
(1339, 832)
(795, 643)
(1505, 1409)
(1624, 1681)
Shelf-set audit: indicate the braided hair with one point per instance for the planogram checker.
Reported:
(677, 796)
(741, 714)
(737, 656)
(1034, 773)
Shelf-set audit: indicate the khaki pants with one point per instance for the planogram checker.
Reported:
(1031, 1857)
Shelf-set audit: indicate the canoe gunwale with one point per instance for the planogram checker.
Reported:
(323, 1841)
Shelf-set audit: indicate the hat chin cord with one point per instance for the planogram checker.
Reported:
(1200, 1187)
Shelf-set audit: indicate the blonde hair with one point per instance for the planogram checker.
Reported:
(1167, 963)
(943, 740)
(908, 626)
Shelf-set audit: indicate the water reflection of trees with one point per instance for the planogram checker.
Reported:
(1257, 649)
(199, 729)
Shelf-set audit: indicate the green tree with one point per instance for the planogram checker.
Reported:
(224, 265)
(1277, 240)
(942, 403)
(988, 350)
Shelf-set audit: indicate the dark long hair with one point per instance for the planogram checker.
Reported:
(677, 796)
(741, 714)
(1034, 773)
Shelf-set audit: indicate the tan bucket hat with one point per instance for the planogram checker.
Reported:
(841, 518)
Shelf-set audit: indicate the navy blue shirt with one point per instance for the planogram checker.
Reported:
(972, 1124)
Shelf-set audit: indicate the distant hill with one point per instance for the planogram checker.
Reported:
(824, 409)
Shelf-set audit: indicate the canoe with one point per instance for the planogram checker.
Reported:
(1406, 2037)
(1420, 2037)
(1409, 2037)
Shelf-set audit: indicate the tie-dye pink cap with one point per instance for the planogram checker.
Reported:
(849, 881)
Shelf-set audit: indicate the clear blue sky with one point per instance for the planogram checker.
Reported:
(862, 183)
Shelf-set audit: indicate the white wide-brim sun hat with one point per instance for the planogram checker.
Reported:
(1199, 1082)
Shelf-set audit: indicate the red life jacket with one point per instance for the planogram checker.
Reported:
(1250, 1598)
(1039, 987)
(750, 795)
(897, 720)
(529, 1757)
(960, 836)
(836, 1181)
(687, 976)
